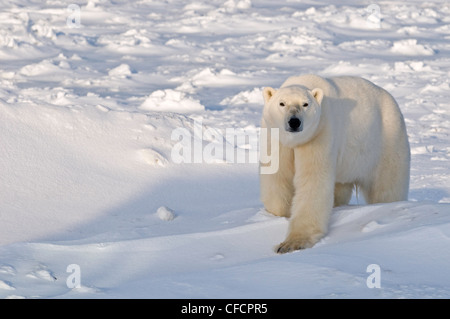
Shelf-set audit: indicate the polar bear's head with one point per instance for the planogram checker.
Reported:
(295, 110)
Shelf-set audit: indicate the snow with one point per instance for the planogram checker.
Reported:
(165, 213)
(90, 97)
(171, 101)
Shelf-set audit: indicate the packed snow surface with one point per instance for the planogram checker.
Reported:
(95, 99)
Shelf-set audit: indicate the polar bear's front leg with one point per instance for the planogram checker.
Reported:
(312, 202)
(276, 185)
(277, 188)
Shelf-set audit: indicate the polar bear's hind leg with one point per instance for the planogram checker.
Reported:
(342, 194)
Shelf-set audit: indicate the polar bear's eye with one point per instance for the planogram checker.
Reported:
(282, 104)
(305, 104)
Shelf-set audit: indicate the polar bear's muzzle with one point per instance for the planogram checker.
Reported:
(294, 124)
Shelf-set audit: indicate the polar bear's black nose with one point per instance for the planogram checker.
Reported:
(294, 123)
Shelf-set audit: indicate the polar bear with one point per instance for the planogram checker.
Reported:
(334, 134)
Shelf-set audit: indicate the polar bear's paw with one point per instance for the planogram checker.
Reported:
(293, 243)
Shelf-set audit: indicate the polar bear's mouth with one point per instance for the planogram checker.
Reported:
(294, 124)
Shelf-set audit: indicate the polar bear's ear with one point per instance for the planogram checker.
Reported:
(268, 93)
(318, 95)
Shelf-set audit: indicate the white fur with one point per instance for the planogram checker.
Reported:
(352, 134)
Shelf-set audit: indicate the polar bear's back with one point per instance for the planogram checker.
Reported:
(310, 81)
(339, 87)
(341, 92)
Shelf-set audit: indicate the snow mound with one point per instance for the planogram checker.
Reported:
(232, 5)
(122, 70)
(253, 97)
(411, 47)
(6, 286)
(152, 157)
(165, 213)
(41, 68)
(42, 274)
(171, 101)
